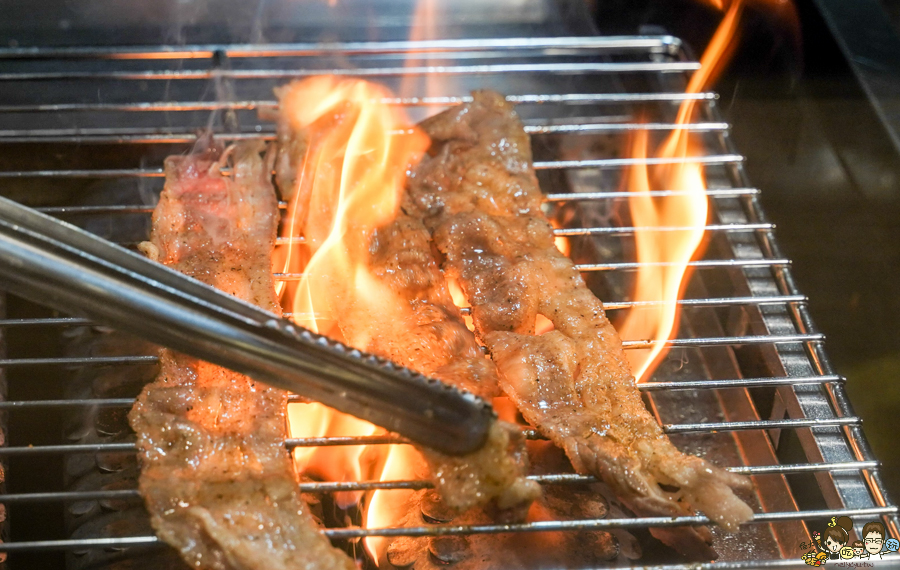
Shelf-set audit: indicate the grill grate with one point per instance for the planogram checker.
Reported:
(77, 117)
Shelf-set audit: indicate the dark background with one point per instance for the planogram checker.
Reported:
(829, 178)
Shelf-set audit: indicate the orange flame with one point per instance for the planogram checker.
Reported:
(423, 28)
(665, 255)
(351, 178)
(388, 508)
(717, 4)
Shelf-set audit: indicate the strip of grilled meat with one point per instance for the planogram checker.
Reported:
(433, 340)
(478, 195)
(215, 475)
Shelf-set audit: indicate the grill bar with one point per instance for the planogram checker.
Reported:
(615, 305)
(166, 106)
(445, 530)
(704, 263)
(711, 302)
(709, 263)
(68, 403)
(625, 230)
(667, 44)
(627, 344)
(616, 231)
(544, 165)
(415, 484)
(62, 321)
(644, 387)
(387, 439)
(582, 197)
(169, 75)
(725, 340)
(95, 210)
(78, 361)
(602, 524)
(150, 136)
(711, 192)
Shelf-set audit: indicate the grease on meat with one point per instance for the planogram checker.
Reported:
(433, 340)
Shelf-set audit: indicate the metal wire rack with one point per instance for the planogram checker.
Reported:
(76, 118)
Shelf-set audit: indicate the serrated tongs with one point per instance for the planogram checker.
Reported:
(57, 264)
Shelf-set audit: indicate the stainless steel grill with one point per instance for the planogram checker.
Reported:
(747, 383)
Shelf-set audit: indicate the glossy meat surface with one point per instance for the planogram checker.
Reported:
(478, 195)
(433, 340)
(218, 483)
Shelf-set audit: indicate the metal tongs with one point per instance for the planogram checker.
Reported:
(57, 264)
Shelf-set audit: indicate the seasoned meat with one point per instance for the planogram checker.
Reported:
(437, 341)
(478, 195)
(433, 340)
(215, 475)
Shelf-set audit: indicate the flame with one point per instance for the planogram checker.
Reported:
(460, 300)
(329, 463)
(657, 283)
(717, 4)
(388, 508)
(352, 176)
(542, 324)
(561, 242)
(423, 28)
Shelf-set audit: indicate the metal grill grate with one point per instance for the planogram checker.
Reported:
(757, 381)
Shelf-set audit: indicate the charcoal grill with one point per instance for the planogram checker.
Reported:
(747, 383)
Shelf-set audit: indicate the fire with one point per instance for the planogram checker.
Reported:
(460, 300)
(688, 209)
(330, 464)
(424, 28)
(388, 508)
(350, 183)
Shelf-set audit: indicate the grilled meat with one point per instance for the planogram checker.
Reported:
(479, 197)
(434, 341)
(437, 341)
(215, 476)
